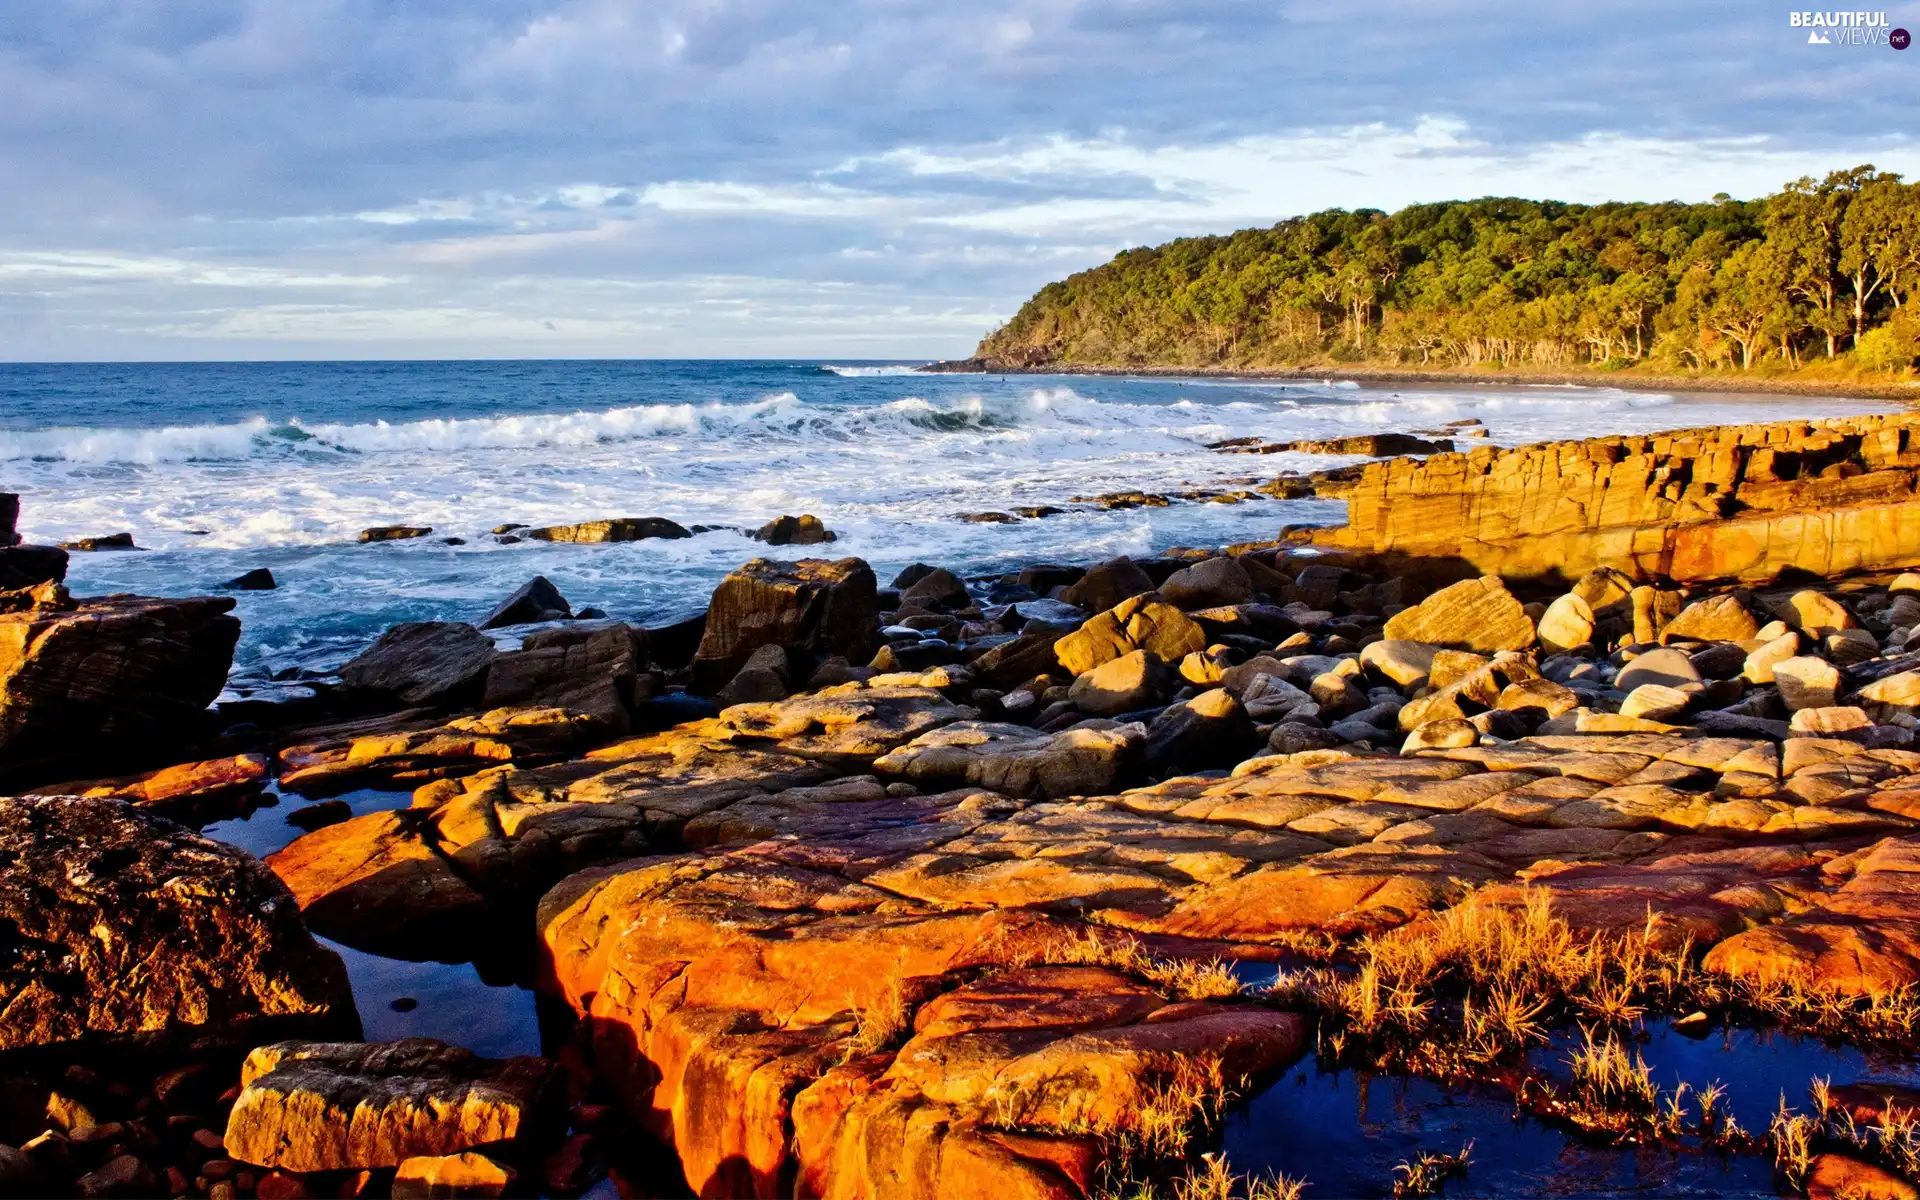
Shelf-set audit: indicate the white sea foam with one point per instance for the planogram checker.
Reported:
(856, 372)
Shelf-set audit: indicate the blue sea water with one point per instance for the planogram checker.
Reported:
(216, 468)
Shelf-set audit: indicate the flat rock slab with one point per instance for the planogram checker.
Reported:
(327, 1106)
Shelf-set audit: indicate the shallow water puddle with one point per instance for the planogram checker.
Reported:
(1345, 1131)
(262, 830)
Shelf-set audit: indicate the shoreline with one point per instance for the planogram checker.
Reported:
(1907, 391)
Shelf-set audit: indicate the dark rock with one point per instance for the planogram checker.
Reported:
(910, 576)
(937, 591)
(674, 708)
(394, 533)
(590, 613)
(9, 519)
(1044, 577)
(435, 663)
(673, 646)
(1210, 584)
(509, 527)
(613, 529)
(320, 815)
(537, 600)
(1107, 585)
(124, 928)
(813, 607)
(1013, 663)
(804, 530)
(111, 678)
(30, 566)
(763, 678)
(1210, 730)
(109, 541)
(594, 671)
(257, 580)
(987, 518)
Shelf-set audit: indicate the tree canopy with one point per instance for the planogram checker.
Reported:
(1823, 269)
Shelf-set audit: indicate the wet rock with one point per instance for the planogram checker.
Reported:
(260, 579)
(594, 671)
(329, 1106)
(452, 1175)
(1214, 583)
(537, 600)
(1017, 761)
(804, 530)
(1120, 685)
(1714, 619)
(613, 529)
(112, 541)
(394, 533)
(1106, 585)
(319, 815)
(1807, 682)
(813, 608)
(1567, 624)
(438, 664)
(1144, 622)
(124, 928)
(1474, 614)
(111, 678)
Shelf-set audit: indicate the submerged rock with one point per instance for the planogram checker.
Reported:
(394, 533)
(122, 928)
(613, 529)
(260, 579)
(537, 600)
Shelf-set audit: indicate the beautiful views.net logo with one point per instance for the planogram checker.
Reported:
(1849, 29)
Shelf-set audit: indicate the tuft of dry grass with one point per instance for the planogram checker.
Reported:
(1184, 979)
(1892, 1139)
(877, 1026)
(1429, 1172)
(1214, 1179)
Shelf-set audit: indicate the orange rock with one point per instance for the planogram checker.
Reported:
(1837, 1177)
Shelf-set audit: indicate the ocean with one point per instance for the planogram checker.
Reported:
(217, 468)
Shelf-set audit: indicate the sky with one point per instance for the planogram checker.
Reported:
(308, 179)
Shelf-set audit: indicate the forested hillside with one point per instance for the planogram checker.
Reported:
(1821, 272)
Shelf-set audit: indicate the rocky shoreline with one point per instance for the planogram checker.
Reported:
(1891, 389)
(950, 886)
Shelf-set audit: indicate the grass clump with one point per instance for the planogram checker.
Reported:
(1429, 1172)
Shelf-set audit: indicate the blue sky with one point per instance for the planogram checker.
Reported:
(859, 178)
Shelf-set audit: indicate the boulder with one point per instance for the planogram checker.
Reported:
(182, 791)
(1407, 664)
(1108, 584)
(115, 678)
(122, 928)
(804, 530)
(595, 671)
(1838, 1177)
(1837, 722)
(1567, 624)
(1894, 695)
(1665, 667)
(537, 600)
(9, 519)
(1474, 614)
(334, 1106)
(1120, 685)
(762, 679)
(1144, 622)
(1807, 682)
(1715, 619)
(1210, 730)
(107, 541)
(29, 566)
(394, 533)
(1655, 702)
(1763, 658)
(379, 883)
(438, 664)
(815, 608)
(1217, 582)
(613, 529)
(260, 579)
(1814, 613)
(937, 591)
